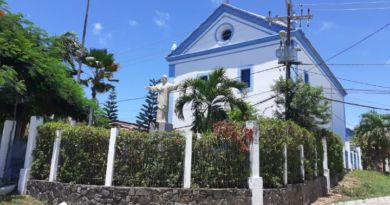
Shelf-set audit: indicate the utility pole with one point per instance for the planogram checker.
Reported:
(287, 53)
(83, 43)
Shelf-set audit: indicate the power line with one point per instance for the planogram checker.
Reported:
(344, 79)
(356, 9)
(354, 44)
(344, 3)
(357, 104)
(351, 64)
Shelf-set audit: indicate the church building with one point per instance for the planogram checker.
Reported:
(244, 44)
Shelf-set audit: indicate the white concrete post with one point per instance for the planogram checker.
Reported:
(349, 158)
(285, 168)
(302, 161)
(255, 181)
(187, 160)
(387, 168)
(111, 156)
(325, 164)
(344, 159)
(315, 162)
(6, 140)
(55, 156)
(24, 174)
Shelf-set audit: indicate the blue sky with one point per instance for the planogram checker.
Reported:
(140, 34)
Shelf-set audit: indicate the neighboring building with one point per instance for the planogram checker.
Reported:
(243, 43)
(125, 125)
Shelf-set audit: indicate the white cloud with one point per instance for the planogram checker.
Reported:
(161, 19)
(133, 23)
(97, 28)
(327, 25)
(217, 2)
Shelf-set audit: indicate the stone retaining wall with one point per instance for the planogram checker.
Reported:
(55, 193)
(296, 194)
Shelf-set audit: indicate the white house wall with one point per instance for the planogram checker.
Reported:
(259, 57)
(245, 31)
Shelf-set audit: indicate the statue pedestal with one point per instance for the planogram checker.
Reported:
(161, 127)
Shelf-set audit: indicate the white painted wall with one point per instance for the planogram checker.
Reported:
(259, 57)
(247, 31)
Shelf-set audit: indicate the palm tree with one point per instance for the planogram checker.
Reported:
(209, 99)
(373, 136)
(103, 67)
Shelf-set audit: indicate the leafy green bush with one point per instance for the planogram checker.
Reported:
(151, 160)
(40, 168)
(335, 151)
(219, 163)
(83, 155)
(274, 133)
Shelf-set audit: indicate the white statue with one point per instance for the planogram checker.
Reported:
(163, 89)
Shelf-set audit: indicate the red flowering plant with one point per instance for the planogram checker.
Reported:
(235, 132)
(2, 13)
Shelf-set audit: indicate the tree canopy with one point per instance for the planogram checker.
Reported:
(308, 107)
(372, 135)
(209, 99)
(34, 79)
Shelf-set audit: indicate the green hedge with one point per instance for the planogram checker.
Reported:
(274, 134)
(156, 160)
(40, 168)
(151, 160)
(141, 159)
(219, 163)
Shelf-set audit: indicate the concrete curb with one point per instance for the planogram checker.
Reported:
(372, 201)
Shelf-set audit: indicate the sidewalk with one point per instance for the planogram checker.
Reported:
(372, 201)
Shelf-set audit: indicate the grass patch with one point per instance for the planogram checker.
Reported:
(364, 184)
(19, 200)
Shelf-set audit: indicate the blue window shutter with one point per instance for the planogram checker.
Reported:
(306, 77)
(246, 77)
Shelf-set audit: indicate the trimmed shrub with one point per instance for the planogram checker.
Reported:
(83, 155)
(274, 133)
(219, 163)
(40, 168)
(335, 151)
(151, 160)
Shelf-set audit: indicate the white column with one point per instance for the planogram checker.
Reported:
(55, 156)
(187, 160)
(111, 156)
(302, 161)
(349, 158)
(316, 161)
(285, 168)
(255, 181)
(31, 142)
(325, 164)
(387, 168)
(344, 159)
(6, 140)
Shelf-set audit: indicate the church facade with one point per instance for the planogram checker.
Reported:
(244, 44)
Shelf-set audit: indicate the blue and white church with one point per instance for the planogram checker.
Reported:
(245, 44)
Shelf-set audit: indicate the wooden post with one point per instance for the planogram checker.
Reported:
(187, 160)
(111, 156)
(24, 174)
(255, 181)
(55, 156)
(315, 162)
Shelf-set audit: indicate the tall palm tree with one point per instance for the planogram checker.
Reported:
(373, 136)
(103, 67)
(209, 99)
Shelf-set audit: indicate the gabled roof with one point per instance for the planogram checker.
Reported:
(229, 9)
